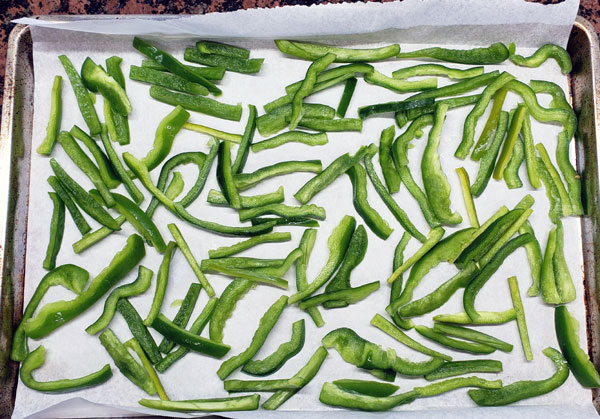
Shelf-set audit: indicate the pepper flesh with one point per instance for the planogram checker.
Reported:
(227, 404)
(543, 53)
(57, 229)
(166, 131)
(494, 54)
(97, 79)
(310, 51)
(45, 148)
(454, 368)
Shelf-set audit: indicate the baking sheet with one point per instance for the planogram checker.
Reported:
(193, 377)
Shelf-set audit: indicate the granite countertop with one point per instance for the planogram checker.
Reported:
(13, 9)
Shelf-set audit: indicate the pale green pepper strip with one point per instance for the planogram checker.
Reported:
(217, 198)
(311, 51)
(465, 185)
(515, 295)
(399, 85)
(564, 196)
(221, 135)
(316, 139)
(509, 143)
(134, 345)
(486, 317)
(247, 244)
(530, 157)
(534, 255)
(539, 57)
(564, 282)
(434, 236)
(225, 404)
(437, 70)
(491, 125)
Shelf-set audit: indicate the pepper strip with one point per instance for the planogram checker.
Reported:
(282, 210)
(290, 136)
(95, 236)
(345, 296)
(436, 70)
(554, 199)
(226, 404)
(246, 142)
(211, 47)
(564, 282)
(165, 79)
(390, 175)
(46, 146)
(140, 285)
(275, 120)
(491, 125)
(333, 73)
(311, 51)
(534, 256)
(334, 395)
(225, 306)
(452, 369)
(306, 245)
(36, 359)
(511, 138)
(233, 386)
(539, 57)
(236, 64)
(489, 156)
(162, 279)
(452, 102)
(266, 323)
(404, 105)
(458, 88)
(282, 354)
(240, 262)
(434, 236)
(486, 317)
(247, 244)
(209, 73)
(530, 157)
(520, 390)
(301, 378)
(80, 222)
(564, 196)
(511, 231)
(134, 345)
(346, 97)
(107, 173)
(55, 314)
(541, 114)
(244, 181)
(396, 288)
(217, 198)
(463, 177)
(185, 249)
(472, 335)
(459, 345)
(221, 135)
(399, 85)
(225, 175)
(200, 104)
(69, 276)
(331, 125)
(369, 388)
(96, 79)
(57, 229)
(84, 101)
(140, 221)
(388, 328)
(469, 128)
(183, 315)
(515, 295)
(289, 96)
(126, 363)
(548, 283)
(165, 134)
(511, 172)
(494, 54)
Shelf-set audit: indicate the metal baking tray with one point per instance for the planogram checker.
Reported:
(15, 156)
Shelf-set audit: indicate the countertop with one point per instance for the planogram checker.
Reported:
(13, 9)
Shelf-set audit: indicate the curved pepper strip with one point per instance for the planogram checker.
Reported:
(458, 88)
(485, 317)
(57, 229)
(337, 244)
(454, 368)
(117, 124)
(459, 345)
(107, 173)
(487, 134)
(534, 255)
(225, 306)
(511, 172)
(472, 335)
(494, 54)
(399, 85)
(485, 274)
(69, 276)
(334, 395)
(364, 354)
(512, 136)
(197, 103)
(265, 325)
(434, 236)
(55, 314)
(225, 175)
(244, 147)
(306, 245)
(165, 134)
(341, 298)
(540, 113)
(36, 359)
(162, 279)
(332, 74)
(282, 210)
(244, 181)
(247, 244)
(217, 198)
(311, 51)
(390, 174)
(539, 57)
(282, 354)
(45, 148)
(555, 177)
(226, 404)
(140, 221)
(97, 80)
(555, 210)
(521, 390)
(437, 70)
(137, 287)
(311, 139)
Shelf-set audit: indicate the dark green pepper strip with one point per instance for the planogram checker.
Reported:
(217, 198)
(162, 279)
(543, 53)
(290, 136)
(334, 395)
(515, 295)
(211, 47)
(55, 314)
(85, 201)
(347, 296)
(465, 186)
(511, 138)
(444, 251)
(187, 339)
(494, 54)
(398, 260)
(227, 404)
(331, 125)
(286, 221)
(57, 229)
(534, 256)
(436, 70)
(452, 102)
(551, 170)
(84, 101)
(302, 378)
(233, 386)
(282, 210)
(225, 306)
(520, 390)
(368, 388)
(225, 175)
(165, 134)
(489, 156)
(364, 354)
(491, 125)
(371, 217)
(173, 65)
(311, 51)
(246, 142)
(399, 85)
(564, 282)
(282, 354)
(45, 148)
(80, 222)
(107, 173)
(567, 334)
(306, 245)
(554, 198)
(71, 277)
(530, 157)
(328, 175)
(459, 345)
(434, 236)
(135, 346)
(126, 363)
(164, 79)
(346, 97)
(90, 239)
(97, 79)
(244, 181)
(389, 201)
(404, 105)
(235, 64)
(196, 328)
(333, 74)
(119, 130)
(547, 278)
(139, 330)
(140, 285)
(247, 244)
(452, 369)
(435, 182)
(140, 221)
(472, 335)
(337, 243)
(492, 266)
(485, 317)
(240, 262)
(221, 135)
(197, 103)
(265, 325)
(458, 88)
(390, 175)
(36, 359)
(209, 73)
(185, 249)
(541, 114)
(183, 315)
(275, 120)
(511, 172)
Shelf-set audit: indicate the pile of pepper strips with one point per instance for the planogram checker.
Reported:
(478, 251)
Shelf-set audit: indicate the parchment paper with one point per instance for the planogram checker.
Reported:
(71, 352)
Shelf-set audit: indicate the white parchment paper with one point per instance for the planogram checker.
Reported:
(71, 352)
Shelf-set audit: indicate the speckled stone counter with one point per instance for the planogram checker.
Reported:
(13, 9)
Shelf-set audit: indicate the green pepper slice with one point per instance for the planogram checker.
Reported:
(197, 103)
(183, 315)
(246, 142)
(164, 79)
(226, 404)
(543, 53)
(454, 368)
(98, 80)
(46, 146)
(166, 131)
(235, 64)
(57, 229)
(494, 54)
(311, 51)
(139, 330)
